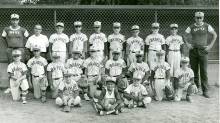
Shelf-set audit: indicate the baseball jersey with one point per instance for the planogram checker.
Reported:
(160, 72)
(93, 66)
(199, 33)
(174, 42)
(78, 41)
(135, 43)
(186, 75)
(15, 37)
(116, 41)
(40, 41)
(136, 89)
(37, 65)
(56, 68)
(68, 89)
(75, 66)
(139, 68)
(155, 41)
(59, 41)
(98, 40)
(115, 67)
(17, 69)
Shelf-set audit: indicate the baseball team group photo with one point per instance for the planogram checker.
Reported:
(69, 68)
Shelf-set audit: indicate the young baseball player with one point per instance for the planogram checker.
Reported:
(59, 42)
(37, 67)
(136, 94)
(160, 75)
(134, 44)
(154, 42)
(93, 72)
(55, 74)
(78, 40)
(184, 81)
(174, 44)
(17, 77)
(116, 40)
(109, 100)
(98, 40)
(68, 93)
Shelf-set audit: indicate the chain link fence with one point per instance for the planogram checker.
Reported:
(126, 15)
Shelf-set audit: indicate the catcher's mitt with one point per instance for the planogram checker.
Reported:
(193, 89)
(43, 83)
(122, 83)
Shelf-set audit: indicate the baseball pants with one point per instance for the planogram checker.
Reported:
(179, 92)
(38, 86)
(56, 83)
(159, 86)
(68, 101)
(99, 55)
(92, 83)
(15, 89)
(151, 58)
(145, 101)
(174, 58)
(131, 58)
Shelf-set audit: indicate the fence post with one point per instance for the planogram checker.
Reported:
(55, 17)
(155, 16)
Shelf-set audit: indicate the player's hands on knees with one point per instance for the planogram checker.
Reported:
(194, 89)
(189, 45)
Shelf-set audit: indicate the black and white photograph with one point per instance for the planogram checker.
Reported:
(109, 61)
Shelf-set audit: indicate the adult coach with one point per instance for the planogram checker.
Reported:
(199, 48)
(15, 38)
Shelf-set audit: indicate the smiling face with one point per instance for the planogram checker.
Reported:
(97, 29)
(14, 22)
(199, 19)
(115, 56)
(37, 29)
(136, 81)
(155, 29)
(78, 28)
(135, 32)
(59, 29)
(139, 58)
(174, 31)
(110, 86)
(16, 58)
(76, 55)
(36, 53)
(116, 30)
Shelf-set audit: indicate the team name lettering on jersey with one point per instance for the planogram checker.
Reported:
(57, 68)
(155, 39)
(60, 39)
(75, 65)
(98, 38)
(38, 63)
(94, 64)
(115, 64)
(136, 42)
(116, 39)
(17, 69)
(198, 28)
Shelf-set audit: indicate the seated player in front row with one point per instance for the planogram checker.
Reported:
(68, 93)
(37, 68)
(136, 94)
(17, 77)
(184, 81)
(109, 100)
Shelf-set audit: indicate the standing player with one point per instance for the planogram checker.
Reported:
(59, 42)
(37, 67)
(98, 40)
(17, 76)
(134, 44)
(116, 40)
(174, 44)
(184, 81)
(154, 42)
(78, 40)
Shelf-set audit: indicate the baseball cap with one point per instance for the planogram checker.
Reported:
(116, 24)
(185, 59)
(76, 50)
(155, 25)
(139, 53)
(135, 27)
(173, 25)
(60, 24)
(137, 76)
(14, 16)
(55, 55)
(160, 53)
(111, 79)
(97, 24)
(68, 73)
(16, 52)
(92, 48)
(36, 48)
(77, 23)
(117, 50)
(199, 14)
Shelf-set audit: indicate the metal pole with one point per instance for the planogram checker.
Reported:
(55, 17)
(155, 16)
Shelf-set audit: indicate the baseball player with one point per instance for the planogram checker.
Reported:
(136, 94)
(116, 40)
(184, 81)
(68, 93)
(59, 42)
(98, 40)
(55, 74)
(160, 74)
(17, 77)
(92, 71)
(37, 67)
(174, 44)
(78, 40)
(154, 42)
(134, 44)
(109, 100)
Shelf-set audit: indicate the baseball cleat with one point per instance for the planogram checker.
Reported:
(86, 97)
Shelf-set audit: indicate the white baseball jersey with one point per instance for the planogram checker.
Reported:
(139, 68)
(136, 89)
(41, 41)
(17, 69)
(93, 66)
(68, 89)
(98, 40)
(37, 65)
(57, 69)
(115, 67)
(59, 41)
(116, 41)
(136, 44)
(160, 72)
(75, 66)
(174, 42)
(186, 75)
(78, 41)
(155, 41)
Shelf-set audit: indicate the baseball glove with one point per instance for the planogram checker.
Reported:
(43, 83)
(122, 83)
(140, 97)
(194, 89)
(169, 92)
